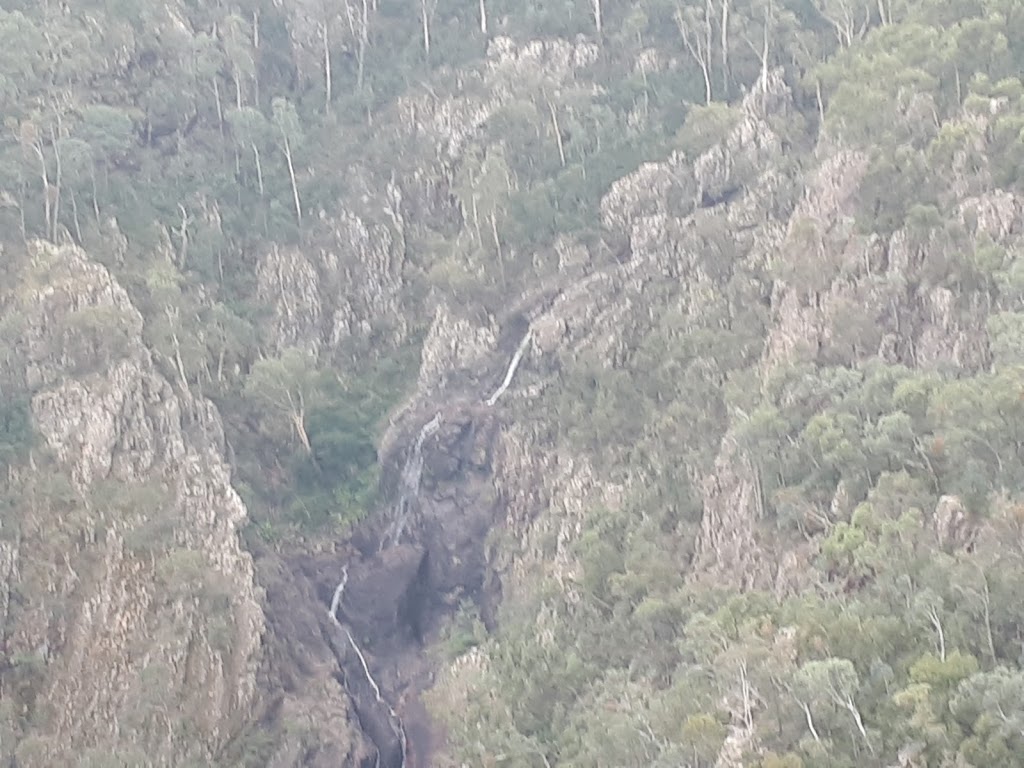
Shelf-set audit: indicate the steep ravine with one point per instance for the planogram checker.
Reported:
(455, 468)
(465, 457)
(416, 565)
(143, 646)
(387, 593)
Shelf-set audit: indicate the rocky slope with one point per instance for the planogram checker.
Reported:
(582, 435)
(544, 488)
(151, 561)
(132, 620)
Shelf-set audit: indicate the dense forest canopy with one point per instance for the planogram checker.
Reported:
(182, 142)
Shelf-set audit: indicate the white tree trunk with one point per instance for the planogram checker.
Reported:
(220, 106)
(810, 721)
(327, 67)
(291, 175)
(725, 47)
(56, 180)
(259, 167)
(183, 236)
(557, 130)
(855, 713)
(933, 616)
(697, 38)
(427, 8)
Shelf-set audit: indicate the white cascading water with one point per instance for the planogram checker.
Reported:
(409, 484)
(396, 721)
(408, 495)
(412, 471)
(516, 359)
(338, 592)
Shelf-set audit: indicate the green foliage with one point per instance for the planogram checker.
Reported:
(889, 651)
(704, 127)
(464, 632)
(317, 434)
(143, 509)
(16, 433)
(194, 137)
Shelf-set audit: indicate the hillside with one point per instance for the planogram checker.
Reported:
(508, 384)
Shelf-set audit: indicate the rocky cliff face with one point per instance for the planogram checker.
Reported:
(359, 281)
(830, 291)
(131, 618)
(132, 623)
(348, 287)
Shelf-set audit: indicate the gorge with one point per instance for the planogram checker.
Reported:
(511, 384)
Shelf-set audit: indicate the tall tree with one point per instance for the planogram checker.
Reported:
(289, 132)
(287, 386)
(696, 28)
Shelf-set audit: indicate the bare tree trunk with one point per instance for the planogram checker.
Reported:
(21, 209)
(178, 362)
(327, 66)
(426, 28)
(300, 429)
(697, 37)
(299, 422)
(259, 168)
(810, 722)
(44, 178)
(558, 132)
(364, 36)
(748, 714)
(497, 246)
(725, 48)
(707, 84)
(483, 18)
(476, 221)
(183, 235)
(74, 216)
(988, 619)
(256, 48)
(57, 178)
(95, 194)
(933, 616)
(220, 106)
(843, 22)
(764, 50)
(852, 708)
(291, 175)
(598, 17)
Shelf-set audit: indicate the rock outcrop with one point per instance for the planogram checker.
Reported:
(132, 623)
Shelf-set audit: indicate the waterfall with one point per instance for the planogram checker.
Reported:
(511, 370)
(409, 483)
(396, 721)
(336, 600)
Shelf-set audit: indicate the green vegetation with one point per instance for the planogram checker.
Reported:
(182, 142)
(896, 488)
(308, 460)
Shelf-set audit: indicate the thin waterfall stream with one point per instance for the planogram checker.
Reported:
(396, 721)
(401, 524)
(409, 484)
(516, 359)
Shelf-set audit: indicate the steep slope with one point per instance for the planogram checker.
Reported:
(709, 450)
(838, 304)
(131, 617)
